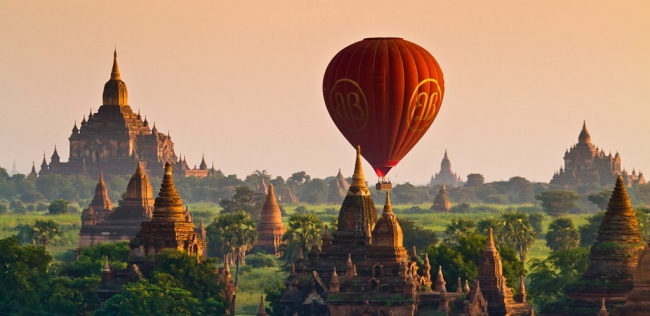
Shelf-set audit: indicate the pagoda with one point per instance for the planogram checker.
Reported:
(638, 300)
(614, 256)
(363, 268)
(446, 175)
(441, 203)
(338, 186)
(170, 227)
(270, 227)
(499, 297)
(123, 222)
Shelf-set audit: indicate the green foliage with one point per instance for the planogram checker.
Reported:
(460, 208)
(245, 200)
(457, 228)
(483, 226)
(44, 231)
(3, 208)
(60, 206)
(303, 232)
(589, 232)
(562, 235)
(557, 203)
(549, 277)
(601, 199)
(274, 293)
(415, 235)
(232, 234)
(515, 231)
(90, 260)
(474, 180)
(261, 260)
(536, 220)
(462, 259)
(143, 298)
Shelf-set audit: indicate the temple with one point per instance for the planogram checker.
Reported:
(101, 223)
(638, 300)
(114, 138)
(441, 203)
(613, 260)
(445, 175)
(585, 163)
(270, 227)
(338, 186)
(500, 298)
(364, 269)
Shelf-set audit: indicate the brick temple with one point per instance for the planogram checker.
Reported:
(441, 203)
(446, 175)
(585, 163)
(270, 227)
(363, 269)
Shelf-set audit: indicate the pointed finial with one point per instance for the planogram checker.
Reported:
(138, 170)
(300, 256)
(466, 288)
(603, 308)
(584, 137)
(261, 310)
(358, 178)
(293, 268)
(415, 251)
(115, 73)
(459, 286)
(388, 207)
(354, 270)
(490, 245)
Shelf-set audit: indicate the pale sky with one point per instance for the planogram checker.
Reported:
(241, 81)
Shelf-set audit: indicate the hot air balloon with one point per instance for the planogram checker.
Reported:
(383, 94)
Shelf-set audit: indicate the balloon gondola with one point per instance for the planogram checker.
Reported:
(383, 94)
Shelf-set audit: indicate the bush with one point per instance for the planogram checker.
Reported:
(261, 260)
(61, 206)
(460, 208)
(3, 208)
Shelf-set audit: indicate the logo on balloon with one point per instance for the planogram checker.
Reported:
(424, 104)
(349, 104)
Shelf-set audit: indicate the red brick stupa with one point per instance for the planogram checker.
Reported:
(270, 228)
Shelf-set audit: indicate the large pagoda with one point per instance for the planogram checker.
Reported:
(270, 228)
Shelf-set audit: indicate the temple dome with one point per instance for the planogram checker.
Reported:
(115, 92)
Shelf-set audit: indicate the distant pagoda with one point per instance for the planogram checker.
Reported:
(270, 227)
(446, 175)
(338, 186)
(615, 254)
(499, 297)
(123, 222)
(441, 203)
(585, 163)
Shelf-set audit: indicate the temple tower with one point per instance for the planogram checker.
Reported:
(498, 295)
(614, 256)
(270, 227)
(441, 203)
(168, 228)
(638, 300)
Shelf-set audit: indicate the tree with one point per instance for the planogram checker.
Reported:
(244, 199)
(303, 234)
(59, 206)
(45, 231)
(536, 220)
(415, 235)
(474, 180)
(516, 232)
(589, 231)
(233, 234)
(3, 208)
(549, 277)
(143, 298)
(483, 226)
(457, 228)
(24, 274)
(562, 235)
(557, 203)
(601, 198)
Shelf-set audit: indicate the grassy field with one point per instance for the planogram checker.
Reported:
(253, 282)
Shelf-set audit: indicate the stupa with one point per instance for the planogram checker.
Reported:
(441, 203)
(270, 227)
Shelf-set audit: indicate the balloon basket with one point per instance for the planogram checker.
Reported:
(384, 186)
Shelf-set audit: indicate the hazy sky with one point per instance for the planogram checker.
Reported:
(241, 80)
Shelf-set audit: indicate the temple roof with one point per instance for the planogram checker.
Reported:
(584, 137)
(115, 92)
(168, 205)
(101, 199)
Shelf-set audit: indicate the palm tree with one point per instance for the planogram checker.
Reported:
(233, 234)
(45, 231)
(303, 234)
(458, 227)
(516, 232)
(562, 235)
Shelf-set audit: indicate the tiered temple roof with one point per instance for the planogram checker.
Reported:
(169, 227)
(441, 203)
(270, 227)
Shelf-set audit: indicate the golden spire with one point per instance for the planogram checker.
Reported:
(490, 245)
(358, 178)
(115, 73)
(388, 209)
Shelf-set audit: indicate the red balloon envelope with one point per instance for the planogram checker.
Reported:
(383, 94)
